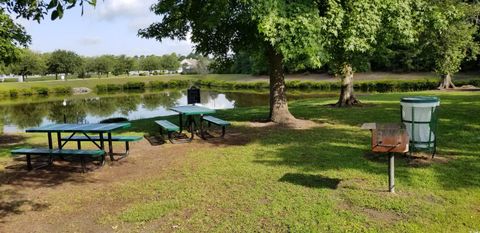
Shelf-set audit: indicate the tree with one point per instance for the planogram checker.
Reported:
(170, 62)
(29, 63)
(13, 35)
(280, 31)
(449, 36)
(150, 63)
(62, 61)
(123, 65)
(104, 64)
(354, 29)
(37, 9)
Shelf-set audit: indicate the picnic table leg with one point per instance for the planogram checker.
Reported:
(59, 140)
(50, 146)
(181, 122)
(102, 147)
(50, 143)
(110, 145)
(29, 163)
(191, 126)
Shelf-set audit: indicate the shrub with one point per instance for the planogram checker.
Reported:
(13, 93)
(62, 90)
(41, 90)
(157, 84)
(26, 92)
(134, 86)
(108, 87)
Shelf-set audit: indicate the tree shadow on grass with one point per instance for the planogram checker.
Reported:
(310, 181)
(61, 172)
(329, 149)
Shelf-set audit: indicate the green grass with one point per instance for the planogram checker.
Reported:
(319, 180)
(315, 180)
(92, 82)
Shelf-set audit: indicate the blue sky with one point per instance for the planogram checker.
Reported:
(110, 28)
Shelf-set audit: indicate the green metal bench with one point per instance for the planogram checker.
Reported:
(126, 139)
(169, 127)
(216, 121)
(56, 152)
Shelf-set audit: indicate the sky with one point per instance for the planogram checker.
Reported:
(109, 28)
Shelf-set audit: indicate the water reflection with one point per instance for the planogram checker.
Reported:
(17, 117)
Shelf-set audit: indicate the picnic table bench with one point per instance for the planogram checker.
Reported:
(126, 139)
(57, 152)
(169, 127)
(216, 121)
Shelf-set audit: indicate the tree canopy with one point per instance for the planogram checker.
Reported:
(277, 30)
(13, 35)
(62, 61)
(29, 63)
(449, 36)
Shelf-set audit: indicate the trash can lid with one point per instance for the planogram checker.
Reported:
(420, 99)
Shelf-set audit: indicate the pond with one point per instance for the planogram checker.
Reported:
(19, 114)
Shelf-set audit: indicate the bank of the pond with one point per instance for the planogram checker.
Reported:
(241, 82)
(260, 179)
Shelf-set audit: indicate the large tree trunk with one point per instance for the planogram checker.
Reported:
(446, 82)
(278, 99)
(56, 76)
(347, 98)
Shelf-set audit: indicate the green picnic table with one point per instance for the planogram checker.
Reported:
(88, 130)
(190, 111)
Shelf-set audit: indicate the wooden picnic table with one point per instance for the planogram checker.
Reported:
(190, 111)
(86, 129)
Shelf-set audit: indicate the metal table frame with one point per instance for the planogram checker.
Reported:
(85, 129)
(190, 111)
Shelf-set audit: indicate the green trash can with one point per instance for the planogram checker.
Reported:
(420, 116)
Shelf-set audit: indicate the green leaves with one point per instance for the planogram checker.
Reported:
(12, 36)
(38, 9)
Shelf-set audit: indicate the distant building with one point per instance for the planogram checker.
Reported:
(188, 66)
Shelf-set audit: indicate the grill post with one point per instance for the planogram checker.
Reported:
(391, 173)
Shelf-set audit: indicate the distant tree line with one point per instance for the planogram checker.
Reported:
(67, 62)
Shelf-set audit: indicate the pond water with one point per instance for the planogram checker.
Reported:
(17, 115)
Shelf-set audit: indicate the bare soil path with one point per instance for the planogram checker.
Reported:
(45, 200)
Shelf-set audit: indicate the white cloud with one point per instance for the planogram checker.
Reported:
(112, 9)
(88, 41)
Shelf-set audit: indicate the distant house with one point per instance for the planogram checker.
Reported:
(188, 66)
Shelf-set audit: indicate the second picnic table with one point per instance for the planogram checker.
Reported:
(190, 111)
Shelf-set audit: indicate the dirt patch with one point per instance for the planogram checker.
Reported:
(293, 124)
(463, 88)
(32, 197)
(423, 160)
(359, 105)
(381, 216)
(416, 160)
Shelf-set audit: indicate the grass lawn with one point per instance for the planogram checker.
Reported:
(92, 82)
(288, 180)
